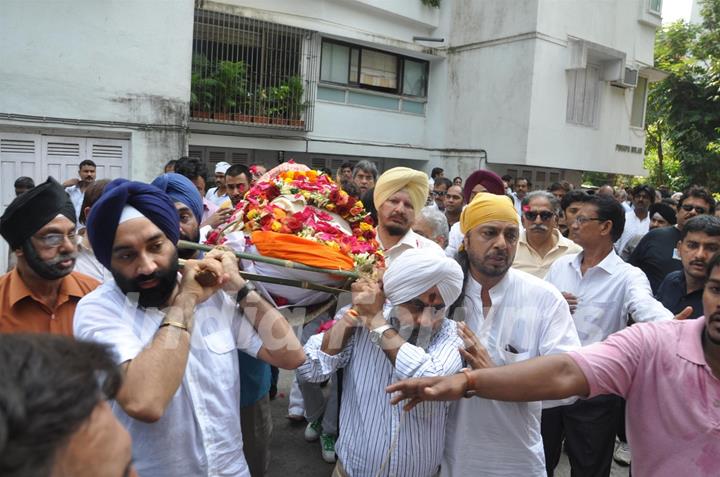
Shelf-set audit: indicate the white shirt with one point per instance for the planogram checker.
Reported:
(76, 196)
(87, 263)
(369, 423)
(633, 226)
(495, 438)
(454, 240)
(212, 196)
(409, 240)
(606, 294)
(199, 434)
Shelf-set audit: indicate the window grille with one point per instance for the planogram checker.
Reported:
(252, 72)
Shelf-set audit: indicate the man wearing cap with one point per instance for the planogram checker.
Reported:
(479, 181)
(515, 316)
(217, 195)
(41, 293)
(379, 345)
(175, 341)
(399, 195)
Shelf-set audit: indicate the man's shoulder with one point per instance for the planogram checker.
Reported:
(85, 282)
(533, 286)
(564, 261)
(107, 294)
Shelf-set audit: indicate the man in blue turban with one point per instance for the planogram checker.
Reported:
(181, 382)
(123, 201)
(189, 205)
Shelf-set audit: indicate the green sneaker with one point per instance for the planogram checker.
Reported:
(327, 444)
(313, 430)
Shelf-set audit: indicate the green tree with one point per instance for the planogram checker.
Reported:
(683, 113)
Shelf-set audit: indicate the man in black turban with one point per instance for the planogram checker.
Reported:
(41, 293)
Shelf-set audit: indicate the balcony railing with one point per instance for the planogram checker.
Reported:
(252, 72)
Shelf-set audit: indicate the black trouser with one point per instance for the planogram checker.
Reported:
(589, 428)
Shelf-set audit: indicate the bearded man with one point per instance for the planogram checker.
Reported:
(399, 195)
(176, 342)
(41, 293)
(515, 316)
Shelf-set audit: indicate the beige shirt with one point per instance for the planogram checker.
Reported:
(528, 260)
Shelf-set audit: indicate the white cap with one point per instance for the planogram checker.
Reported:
(221, 167)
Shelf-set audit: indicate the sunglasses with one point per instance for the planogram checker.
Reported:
(688, 208)
(545, 215)
(438, 193)
(417, 305)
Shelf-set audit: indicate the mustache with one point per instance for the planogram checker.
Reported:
(61, 258)
(541, 227)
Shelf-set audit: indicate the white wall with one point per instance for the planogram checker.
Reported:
(553, 142)
(115, 61)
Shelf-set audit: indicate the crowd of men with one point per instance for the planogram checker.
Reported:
(511, 324)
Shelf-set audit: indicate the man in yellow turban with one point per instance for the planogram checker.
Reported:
(514, 316)
(399, 194)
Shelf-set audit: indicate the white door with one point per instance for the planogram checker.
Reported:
(39, 156)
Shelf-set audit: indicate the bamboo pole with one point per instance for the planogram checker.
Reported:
(284, 281)
(272, 261)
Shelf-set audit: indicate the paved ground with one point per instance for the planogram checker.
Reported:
(292, 456)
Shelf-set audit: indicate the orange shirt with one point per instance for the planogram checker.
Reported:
(22, 311)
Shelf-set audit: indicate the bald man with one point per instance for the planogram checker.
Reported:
(515, 316)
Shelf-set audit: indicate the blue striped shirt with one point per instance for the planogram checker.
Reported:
(373, 434)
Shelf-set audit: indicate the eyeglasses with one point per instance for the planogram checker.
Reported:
(581, 220)
(438, 193)
(417, 305)
(545, 215)
(688, 208)
(55, 240)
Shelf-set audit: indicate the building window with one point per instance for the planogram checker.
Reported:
(637, 117)
(251, 71)
(655, 6)
(368, 68)
(583, 96)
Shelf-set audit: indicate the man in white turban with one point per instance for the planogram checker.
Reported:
(399, 194)
(378, 343)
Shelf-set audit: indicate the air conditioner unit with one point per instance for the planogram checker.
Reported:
(629, 79)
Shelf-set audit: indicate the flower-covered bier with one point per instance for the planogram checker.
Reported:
(309, 205)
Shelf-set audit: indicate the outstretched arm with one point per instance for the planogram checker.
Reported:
(542, 378)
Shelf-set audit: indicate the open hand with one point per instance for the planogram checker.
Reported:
(416, 390)
(218, 217)
(474, 353)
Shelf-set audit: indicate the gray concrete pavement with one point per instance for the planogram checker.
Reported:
(292, 456)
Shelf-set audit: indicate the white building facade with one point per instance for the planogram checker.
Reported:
(543, 89)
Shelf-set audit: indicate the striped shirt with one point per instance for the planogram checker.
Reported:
(375, 435)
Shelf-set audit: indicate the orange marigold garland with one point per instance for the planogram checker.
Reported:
(310, 205)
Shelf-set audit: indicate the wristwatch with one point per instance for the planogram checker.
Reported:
(245, 291)
(376, 334)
